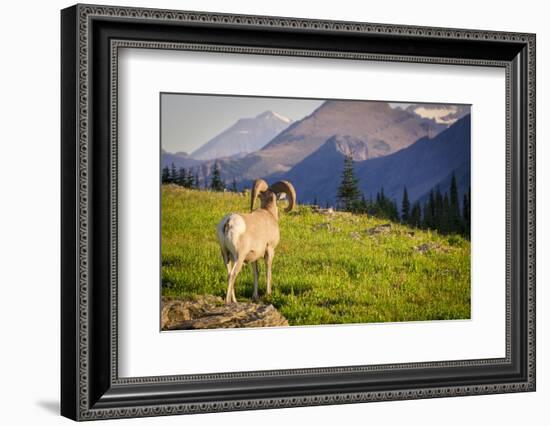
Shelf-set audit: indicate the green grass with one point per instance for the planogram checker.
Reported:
(326, 270)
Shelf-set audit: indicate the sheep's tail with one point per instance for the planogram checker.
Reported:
(229, 232)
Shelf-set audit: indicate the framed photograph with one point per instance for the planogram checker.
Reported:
(263, 212)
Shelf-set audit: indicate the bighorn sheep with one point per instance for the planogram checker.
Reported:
(247, 237)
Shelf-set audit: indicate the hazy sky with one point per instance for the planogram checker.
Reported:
(189, 121)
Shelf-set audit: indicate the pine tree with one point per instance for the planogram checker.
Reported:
(416, 215)
(348, 192)
(173, 174)
(196, 181)
(189, 179)
(165, 175)
(454, 224)
(431, 204)
(393, 212)
(445, 229)
(380, 208)
(405, 206)
(204, 175)
(466, 214)
(438, 209)
(427, 215)
(216, 184)
(234, 186)
(182, 176)
(364, 205)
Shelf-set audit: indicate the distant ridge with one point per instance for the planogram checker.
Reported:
(245, 136)
(384, 129)
(391, 147)
(421, 166)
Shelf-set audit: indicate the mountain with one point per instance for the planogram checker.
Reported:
(311, 175)
(385, 130)
(462, 175)
(179, 159)
(441, 113)
(245, 136)
(420, 166)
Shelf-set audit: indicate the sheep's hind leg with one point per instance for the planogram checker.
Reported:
(255, 269)
(227, 260)
(229, 266)
(268, 262)
(231, 298)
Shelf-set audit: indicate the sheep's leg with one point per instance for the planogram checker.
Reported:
(230, 298)
(227, 260)
(229, 266)
(233, 297)
(268, 262)
(255, 269)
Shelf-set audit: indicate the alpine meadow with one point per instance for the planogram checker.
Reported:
(303, 212)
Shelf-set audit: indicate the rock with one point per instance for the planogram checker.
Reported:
(323, 225)
(355, 235)
(426, 247)
(385, 228)
(328, 211)
(207, 312)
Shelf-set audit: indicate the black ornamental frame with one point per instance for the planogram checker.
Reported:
(90, 38)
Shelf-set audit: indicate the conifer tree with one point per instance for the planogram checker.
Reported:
(181, 180)
(438, 209)
(173, 174)
(466, 214)
(455, 222)
(427, 215)
(364, 205)
(381, 203)
(196, 181)
(428, 220)
(416, 215)
(234, 186)
(405, 206)
(217, 184)
(189, 179)
(393, 211)
(348, 192)
(165, 175)
(445, 229)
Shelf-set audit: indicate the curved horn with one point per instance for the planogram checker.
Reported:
(260, 185)
(286, 187)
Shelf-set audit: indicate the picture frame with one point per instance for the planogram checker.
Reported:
(90, 384)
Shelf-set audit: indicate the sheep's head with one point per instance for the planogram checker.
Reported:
(270, 194)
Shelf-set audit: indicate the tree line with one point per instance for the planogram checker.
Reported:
(189, 178)
(441, 211)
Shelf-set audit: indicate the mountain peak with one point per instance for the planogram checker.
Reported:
(245, 136)
(385, 129)
(267, 115)
(349, 146)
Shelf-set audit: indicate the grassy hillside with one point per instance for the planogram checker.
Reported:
(327, 269)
